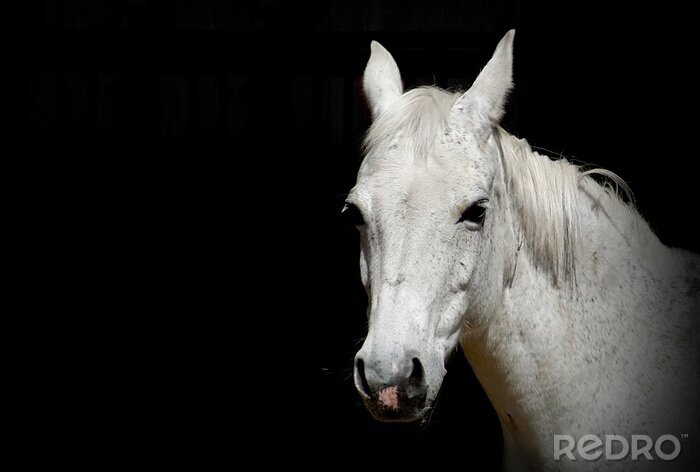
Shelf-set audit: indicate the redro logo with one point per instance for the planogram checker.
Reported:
(590, 447)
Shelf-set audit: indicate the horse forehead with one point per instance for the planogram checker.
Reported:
(418, 188)
(434, 182)
(397, 177)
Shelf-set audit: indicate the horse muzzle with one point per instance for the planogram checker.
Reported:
(392, 395)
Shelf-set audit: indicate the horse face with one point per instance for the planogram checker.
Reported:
(424, 232)
(423, 203)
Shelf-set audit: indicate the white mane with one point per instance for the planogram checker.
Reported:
(545, 190)
(420, 115)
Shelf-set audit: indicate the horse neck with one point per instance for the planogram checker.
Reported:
(545, 336)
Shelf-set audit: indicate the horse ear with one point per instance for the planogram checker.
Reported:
(487, 96)
(382, 80)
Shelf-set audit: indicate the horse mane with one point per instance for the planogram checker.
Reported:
(546, 191)
(420, 116)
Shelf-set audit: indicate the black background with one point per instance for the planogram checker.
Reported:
(208, 146)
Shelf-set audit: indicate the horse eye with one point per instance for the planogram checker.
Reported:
(475, 213)
(352, 215)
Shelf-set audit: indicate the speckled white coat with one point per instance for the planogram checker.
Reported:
(575, 318)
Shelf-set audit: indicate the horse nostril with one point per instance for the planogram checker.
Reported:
(363, 385)
(417, 372)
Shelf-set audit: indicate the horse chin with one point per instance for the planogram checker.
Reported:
(396, 418)
(385, 415)
(408, 419)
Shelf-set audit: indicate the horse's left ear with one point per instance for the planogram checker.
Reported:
(486, 98)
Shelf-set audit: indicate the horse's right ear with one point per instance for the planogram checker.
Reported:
(382, 80)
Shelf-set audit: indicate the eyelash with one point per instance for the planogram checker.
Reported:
(352, 215)
(475, 213)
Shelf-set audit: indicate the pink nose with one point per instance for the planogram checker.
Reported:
(389, 397)
(392, 394)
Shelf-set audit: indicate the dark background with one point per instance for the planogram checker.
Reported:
(212, 144)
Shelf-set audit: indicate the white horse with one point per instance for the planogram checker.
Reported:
(581, 326)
